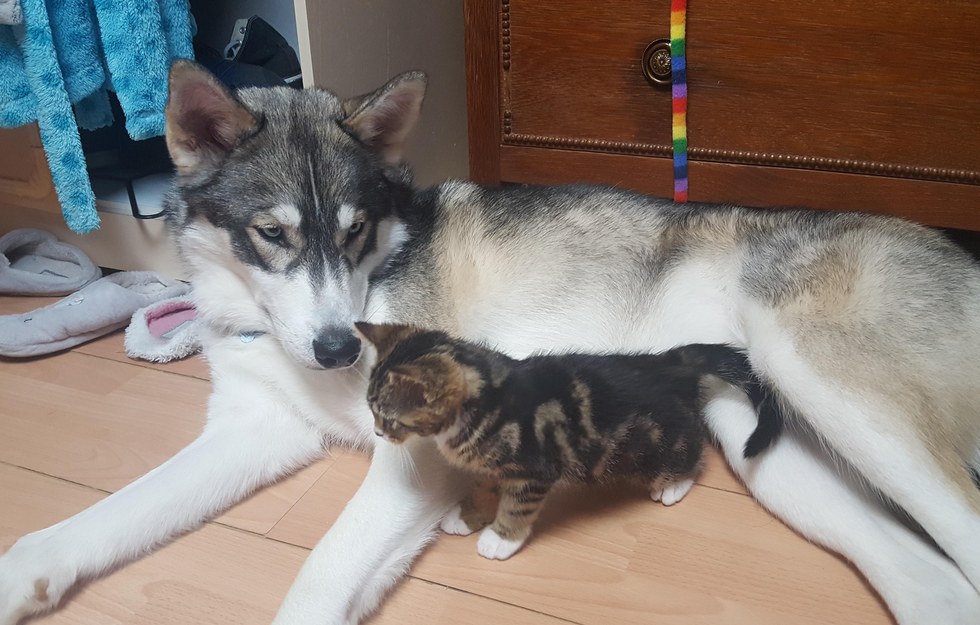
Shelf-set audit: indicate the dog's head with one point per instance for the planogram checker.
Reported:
(286, 201)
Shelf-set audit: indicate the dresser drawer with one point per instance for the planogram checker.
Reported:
(861, 86)
(25, 180)
(571, 73)
(867, 105)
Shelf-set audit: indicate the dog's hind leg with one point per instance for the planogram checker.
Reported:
(884, 438)
(248, 442)
(799, 483)
(933, 485)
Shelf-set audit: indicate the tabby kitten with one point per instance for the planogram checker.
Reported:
(527, 424)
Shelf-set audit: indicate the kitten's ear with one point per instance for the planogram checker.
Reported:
(370, 331)
(405, 392)
(384, 336)
(205, 120)
(384, 118)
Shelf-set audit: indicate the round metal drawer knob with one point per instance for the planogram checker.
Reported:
(656, 62)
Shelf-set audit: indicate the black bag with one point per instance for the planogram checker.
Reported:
(262, 46)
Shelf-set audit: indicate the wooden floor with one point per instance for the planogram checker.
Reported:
(79, 425)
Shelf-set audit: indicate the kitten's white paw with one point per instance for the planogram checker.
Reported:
(657, 488)
(453, 522)
(493, 547)
(671, 492)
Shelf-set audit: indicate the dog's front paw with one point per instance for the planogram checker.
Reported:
(493, 547)
(26, 588)
(453, 522)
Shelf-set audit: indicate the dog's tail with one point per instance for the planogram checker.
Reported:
(732, 366)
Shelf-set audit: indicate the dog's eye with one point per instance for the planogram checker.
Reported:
(269, 233)
(354, 229)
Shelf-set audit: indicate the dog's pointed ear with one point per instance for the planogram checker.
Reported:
(383, 119)
(384, 336)
(205, 120)
(406, 392)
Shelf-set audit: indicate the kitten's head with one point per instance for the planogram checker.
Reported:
(416, 387)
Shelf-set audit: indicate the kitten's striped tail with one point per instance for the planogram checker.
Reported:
(732, 366)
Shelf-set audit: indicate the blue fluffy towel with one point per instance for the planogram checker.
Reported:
(68, 52)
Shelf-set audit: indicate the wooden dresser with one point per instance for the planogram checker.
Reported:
(858, 105)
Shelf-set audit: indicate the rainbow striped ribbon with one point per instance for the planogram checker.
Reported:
(678, 70)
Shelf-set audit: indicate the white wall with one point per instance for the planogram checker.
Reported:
(355, 46)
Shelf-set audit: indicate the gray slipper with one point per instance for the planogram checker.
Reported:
(164, 331)
(35, 262)
(99, 308)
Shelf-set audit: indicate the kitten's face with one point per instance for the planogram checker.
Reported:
(411, 392)
(411, 400)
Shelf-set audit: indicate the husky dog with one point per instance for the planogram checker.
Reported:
(296, 218)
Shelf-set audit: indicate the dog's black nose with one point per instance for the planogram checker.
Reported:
(336, 348)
